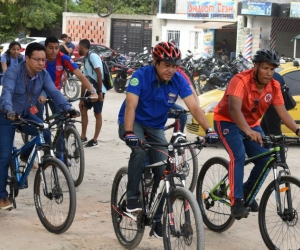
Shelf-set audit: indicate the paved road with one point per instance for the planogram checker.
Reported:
(92, 227)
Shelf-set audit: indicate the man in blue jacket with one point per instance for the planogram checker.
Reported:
(22, 86)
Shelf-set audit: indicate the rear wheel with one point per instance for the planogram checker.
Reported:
(189, 231)
(128, 232)
(216, 214)
(120, 82)
(74, 155)
(56, 210)
(281, 232)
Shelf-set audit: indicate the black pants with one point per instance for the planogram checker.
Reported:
(271, 125)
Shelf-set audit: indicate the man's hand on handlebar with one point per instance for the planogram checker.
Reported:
(211, 137)
(73, 113)
(12, 115)
(131, 139)
(94, 97)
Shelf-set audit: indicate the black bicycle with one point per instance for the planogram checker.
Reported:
(182, 220)
(278, 216)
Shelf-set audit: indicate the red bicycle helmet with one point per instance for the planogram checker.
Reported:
(166, 51)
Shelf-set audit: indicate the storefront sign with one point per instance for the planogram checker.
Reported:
(208, 42)
(295, 9)
(256, 8)
(211, 10)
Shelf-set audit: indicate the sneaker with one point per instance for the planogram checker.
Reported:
(238, 210)
(5, 204)
(91, 144)
(84, 141)
(133, 205)
(158, 230)
(254, 206)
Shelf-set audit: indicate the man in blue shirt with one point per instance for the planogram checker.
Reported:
(22, 86)
(152, 91)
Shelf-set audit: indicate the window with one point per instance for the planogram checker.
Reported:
(174, 35)
(292, 82)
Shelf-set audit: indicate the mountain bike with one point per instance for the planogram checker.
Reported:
(73, 153)
(187, 156)
(279, 205)
(54, 191)
(182, 220)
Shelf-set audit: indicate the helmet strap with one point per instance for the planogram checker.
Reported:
(161, 81)
(256, 75)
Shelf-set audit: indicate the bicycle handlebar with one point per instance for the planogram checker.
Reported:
(269, 140)
(22, 121)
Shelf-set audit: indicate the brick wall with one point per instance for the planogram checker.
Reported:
(87, 27)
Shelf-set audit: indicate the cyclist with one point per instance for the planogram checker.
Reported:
(56, 63)
(236, 119)
(152, 91)
(22, 85)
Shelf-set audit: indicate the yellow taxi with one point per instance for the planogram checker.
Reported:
(209, 101)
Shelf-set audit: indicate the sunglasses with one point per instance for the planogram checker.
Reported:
(256, 102)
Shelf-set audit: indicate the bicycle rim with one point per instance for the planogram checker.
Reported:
(188, 165)
(128, 233)
(57, 210)
(71, 88)
(189, 231)
(281, 232)
(216, 214)
(74, 155)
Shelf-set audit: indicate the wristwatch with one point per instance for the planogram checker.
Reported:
(93, 91)
(99, 91)
(297, 131)
(209, 130)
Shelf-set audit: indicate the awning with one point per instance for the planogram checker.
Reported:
(296, 38)
(213, 25)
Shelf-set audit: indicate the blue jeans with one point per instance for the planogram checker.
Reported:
(237, 145)
(7, 134)
(136, 162)
(54, 109)
(182, 117)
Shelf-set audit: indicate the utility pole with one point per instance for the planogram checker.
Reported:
(66, 5)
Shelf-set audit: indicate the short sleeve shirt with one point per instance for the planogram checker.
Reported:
(155, 98)
(57, 67)
(13, 61)
(243, 86)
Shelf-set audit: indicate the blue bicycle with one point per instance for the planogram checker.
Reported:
(54, 191)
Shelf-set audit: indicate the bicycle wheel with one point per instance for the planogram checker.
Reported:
(56, 210)
(188, 165)
(281, 232)
(216, 214)
(128, 233)
(74, 155)
(71, 88)
(189, 230)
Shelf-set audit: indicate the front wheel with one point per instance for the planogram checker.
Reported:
(281, 231)
(187, 220)
(71, 88)
(216, 213)
(128, 232)
(74, 155)
(56, 210)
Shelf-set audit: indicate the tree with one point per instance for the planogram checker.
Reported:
(27, 14)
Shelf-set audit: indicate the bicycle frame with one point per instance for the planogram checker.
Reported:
(218, 192)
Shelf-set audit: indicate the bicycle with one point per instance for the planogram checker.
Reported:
(73, 153)
(187, 156)
(277, 215)
(54, 191)
(182, 220)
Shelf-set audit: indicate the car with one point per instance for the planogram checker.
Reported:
(24, 42)
(210, 99)
(97, 47)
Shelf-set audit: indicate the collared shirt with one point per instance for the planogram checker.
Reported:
(155, 98)
(243, 86)
(57, 67)
(15, 95)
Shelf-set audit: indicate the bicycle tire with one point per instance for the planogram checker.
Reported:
(188, 235)
(216, 215)
(279, 233)
(12, 182)
(72, 88)
(74, 155)
(57, 211)
(185, 160)
(127, 231)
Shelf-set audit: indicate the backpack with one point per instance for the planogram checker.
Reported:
(107, 78)
(20, 59)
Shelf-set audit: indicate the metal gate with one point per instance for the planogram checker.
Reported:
(131, 35)
(284, 45)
